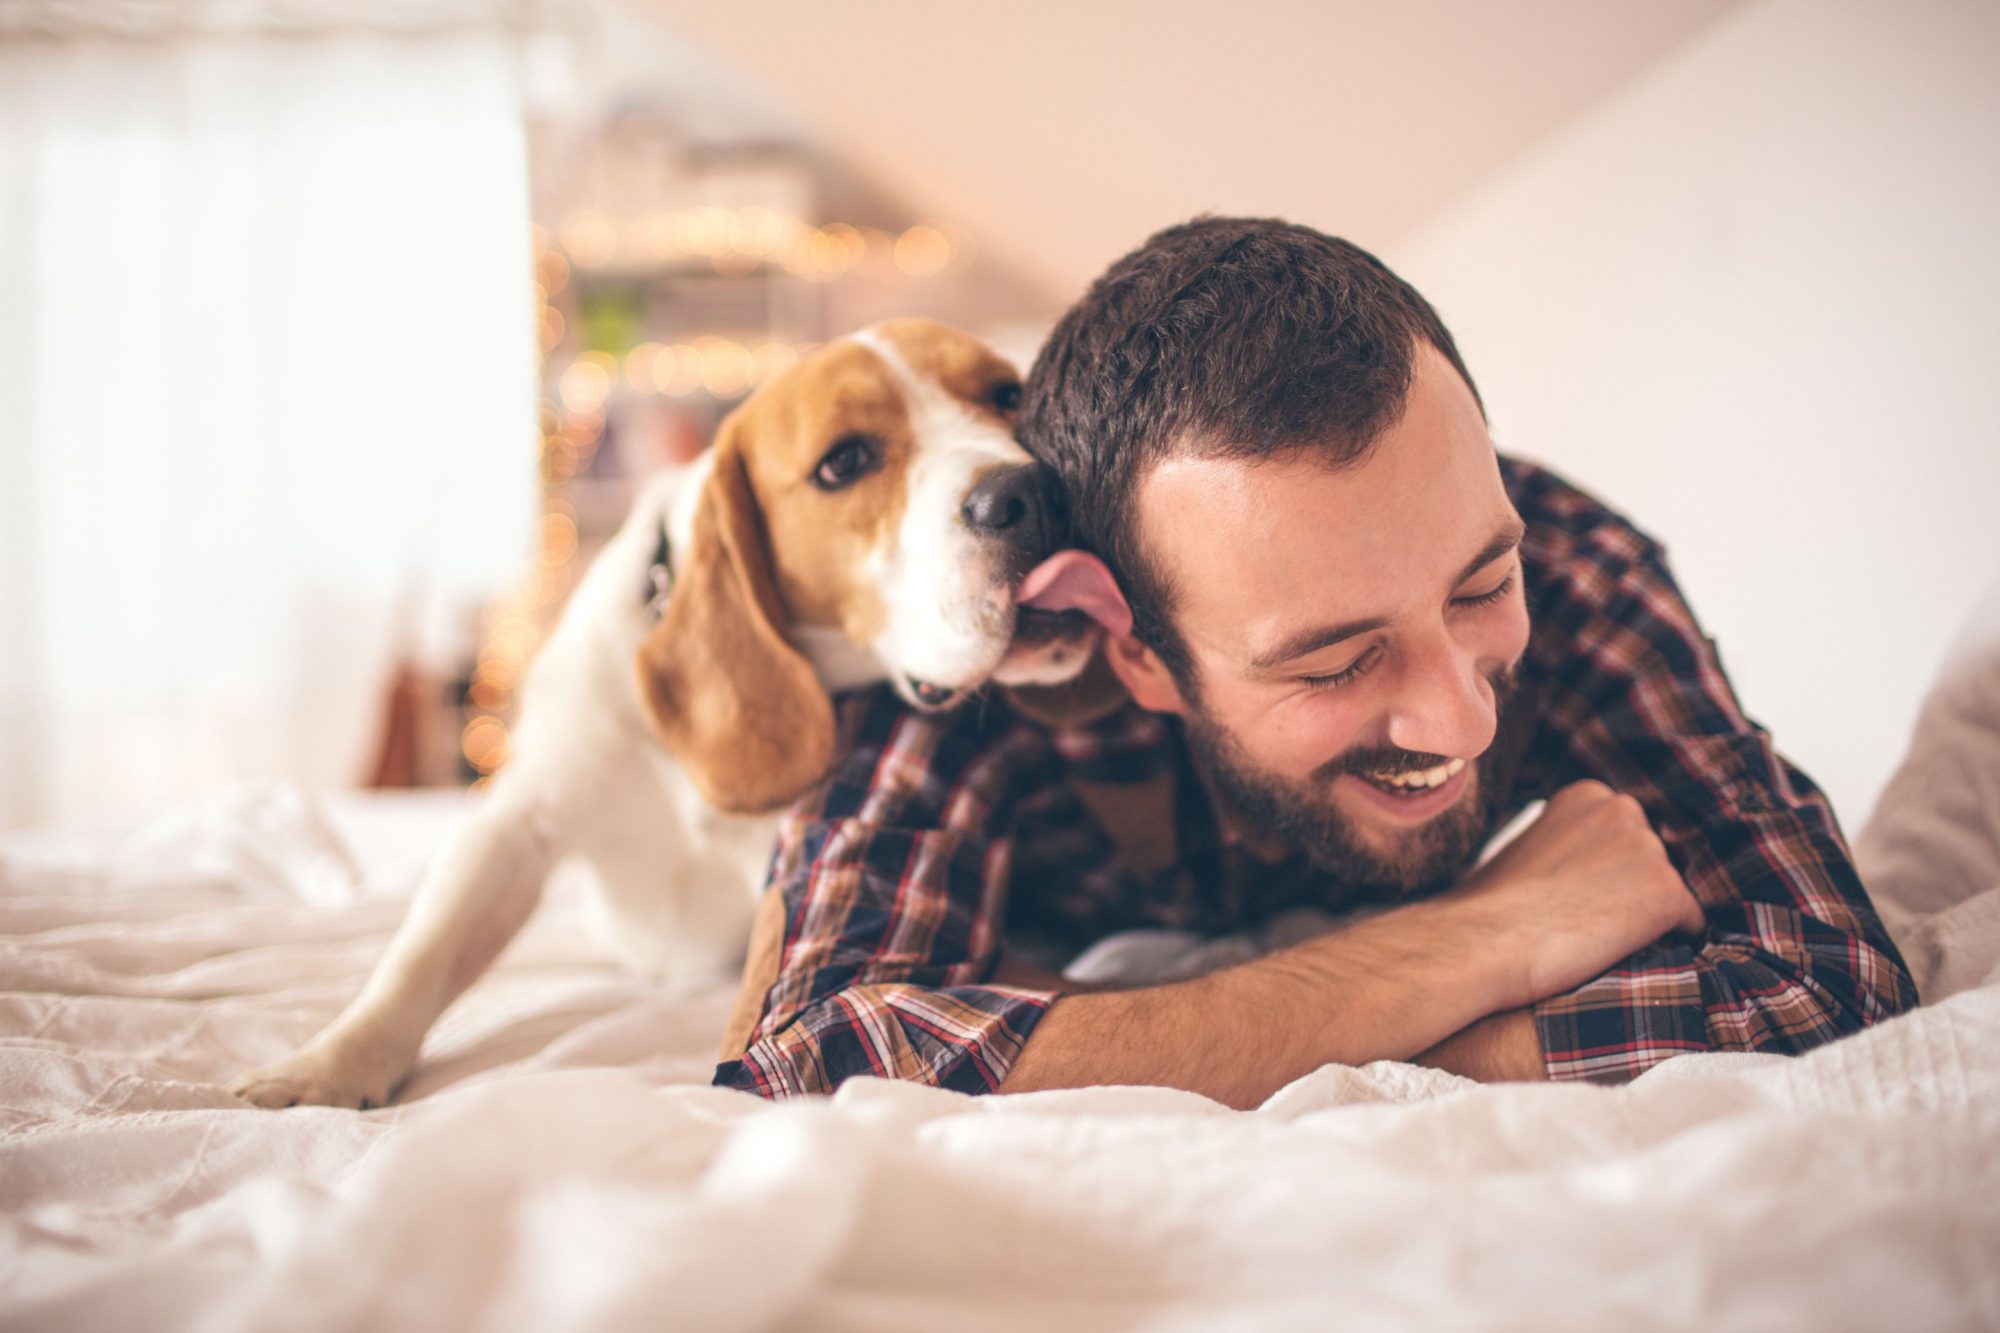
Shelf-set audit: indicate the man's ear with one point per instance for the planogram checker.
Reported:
(1093, 693)
(726, 692)
(1121, 668)
(1142, 673)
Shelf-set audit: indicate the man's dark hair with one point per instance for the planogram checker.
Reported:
(1221, 337)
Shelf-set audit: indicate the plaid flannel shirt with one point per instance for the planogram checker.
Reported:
(936, 839)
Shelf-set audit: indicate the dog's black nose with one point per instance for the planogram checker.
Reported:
(1015, 504)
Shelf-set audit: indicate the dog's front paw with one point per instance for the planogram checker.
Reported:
(323, 1076)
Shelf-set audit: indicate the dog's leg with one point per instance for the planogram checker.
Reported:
(578, 740)
(484, 886)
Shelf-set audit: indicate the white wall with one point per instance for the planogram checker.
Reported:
(1752, 302)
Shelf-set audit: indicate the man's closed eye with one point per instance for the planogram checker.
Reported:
(1366, 661)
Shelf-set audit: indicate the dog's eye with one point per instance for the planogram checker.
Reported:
(1005, 397)
(851, 457)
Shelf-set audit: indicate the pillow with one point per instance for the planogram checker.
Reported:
(1930, 850)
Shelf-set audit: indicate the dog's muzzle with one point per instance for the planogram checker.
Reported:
(1016, 505)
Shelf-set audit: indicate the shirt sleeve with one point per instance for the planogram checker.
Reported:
(894, 876)
(1794, 954)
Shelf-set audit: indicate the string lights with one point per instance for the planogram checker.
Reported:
(514, 624)
(739, 241)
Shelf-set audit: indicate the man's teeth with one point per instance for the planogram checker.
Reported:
(1429, 777)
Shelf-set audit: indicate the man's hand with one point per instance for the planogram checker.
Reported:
(1584, 886)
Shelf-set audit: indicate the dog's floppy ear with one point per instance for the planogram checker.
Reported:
(1093, 693)
(729, 696)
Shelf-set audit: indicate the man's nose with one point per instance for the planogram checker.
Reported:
(1015, 505)
(1444, 704)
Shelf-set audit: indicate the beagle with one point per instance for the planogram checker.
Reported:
(865, 516)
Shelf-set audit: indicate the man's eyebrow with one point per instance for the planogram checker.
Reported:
(1506, 539)
(1325, 636)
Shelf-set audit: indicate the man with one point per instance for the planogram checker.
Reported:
(1356, 640)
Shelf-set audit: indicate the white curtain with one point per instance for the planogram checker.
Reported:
(267, 393)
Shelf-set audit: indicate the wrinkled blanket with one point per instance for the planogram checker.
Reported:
(558, 1161)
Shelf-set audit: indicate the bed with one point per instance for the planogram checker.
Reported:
(559, 1162)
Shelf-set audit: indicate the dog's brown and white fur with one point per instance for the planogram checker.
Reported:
(829, 538)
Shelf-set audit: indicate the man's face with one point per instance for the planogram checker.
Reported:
(1336, 628)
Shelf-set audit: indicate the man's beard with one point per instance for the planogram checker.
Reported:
(1425, 858)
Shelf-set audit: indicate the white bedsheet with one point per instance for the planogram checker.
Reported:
(558, 1161)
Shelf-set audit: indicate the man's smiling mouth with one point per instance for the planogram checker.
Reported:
(1417, 782)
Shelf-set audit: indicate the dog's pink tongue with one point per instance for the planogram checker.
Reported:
(1077, 581)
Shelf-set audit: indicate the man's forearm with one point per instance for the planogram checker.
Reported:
(1500, 1048)
(1387, 987)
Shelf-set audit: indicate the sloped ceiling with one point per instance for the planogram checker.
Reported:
(1062, 132)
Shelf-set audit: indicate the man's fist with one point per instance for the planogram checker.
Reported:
(1584, 886)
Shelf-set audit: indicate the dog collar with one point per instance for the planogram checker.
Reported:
(660, 576)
